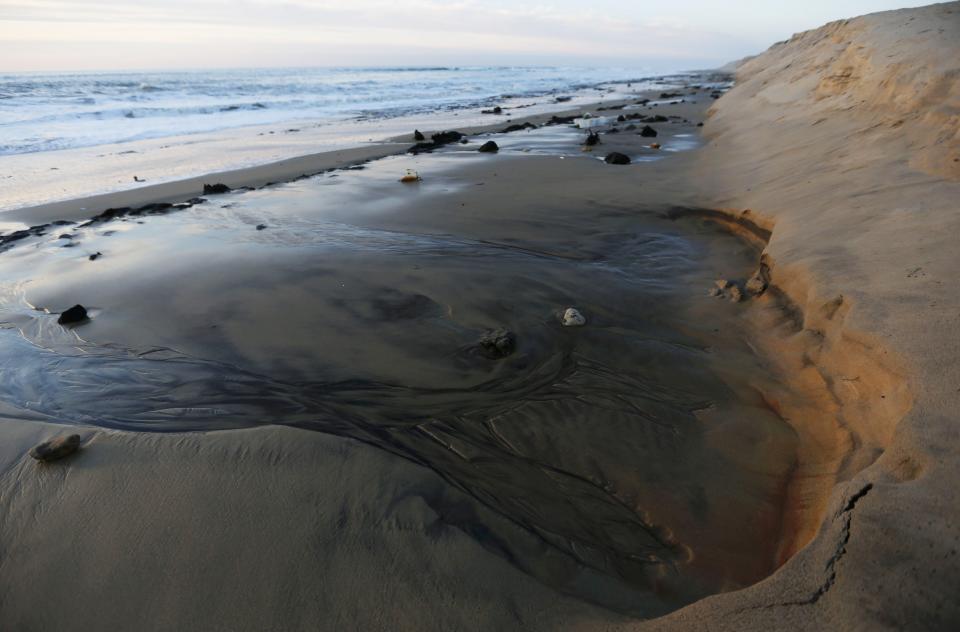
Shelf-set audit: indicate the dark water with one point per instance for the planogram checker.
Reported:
(356, 312)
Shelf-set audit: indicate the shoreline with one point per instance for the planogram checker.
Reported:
(260, 146)
(869, 390)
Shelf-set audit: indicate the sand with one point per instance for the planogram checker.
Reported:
(274, 527)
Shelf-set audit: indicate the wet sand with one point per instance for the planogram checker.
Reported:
(628, 463)
(288, 422)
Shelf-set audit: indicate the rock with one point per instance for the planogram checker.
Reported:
(561, 120)
(670, 95)
(723, 283)
(717, 292)
(563, 99)
(654, 145)
(489, 147)
(621, 119)
(616, 158)
(572, 318)
(592, 139)
(444, 138)
(418, 135)
(496, 110)
(211, 189)
(700, 124)
(648, 132)
(613, 130)
(76, 314)
(518, 128)
(631, 127)
(497, 343)
(261, 226)
(95, 256)
(55, 449)
(735, 294)
(436, 141)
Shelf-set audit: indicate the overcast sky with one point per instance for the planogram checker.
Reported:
(659, 35)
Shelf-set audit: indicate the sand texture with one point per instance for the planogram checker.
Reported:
(327, 447)
(844, 141)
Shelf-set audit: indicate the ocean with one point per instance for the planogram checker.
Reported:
(50, 111)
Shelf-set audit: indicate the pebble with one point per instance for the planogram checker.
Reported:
(573, 318)
(57, 448)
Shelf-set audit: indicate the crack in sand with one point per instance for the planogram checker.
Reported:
(831, 566)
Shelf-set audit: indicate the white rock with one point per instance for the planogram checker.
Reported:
(573, 318)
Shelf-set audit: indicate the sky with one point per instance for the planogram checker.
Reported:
(658, 35)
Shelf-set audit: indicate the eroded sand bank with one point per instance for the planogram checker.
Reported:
(280, 528)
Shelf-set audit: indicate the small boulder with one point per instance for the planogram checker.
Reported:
(212, 189)
(496, 110)
(418, 135)
(496, 344)
(648, 132)
(616, 158)
(57, 448)
(261, 226)
(95, 256)
(76, 314)
(572, 318)
(654, 145)
(592, 139)
(489, 147)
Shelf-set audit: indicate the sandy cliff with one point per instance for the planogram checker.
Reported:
(845, 142)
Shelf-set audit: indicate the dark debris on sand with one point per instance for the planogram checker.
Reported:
(76, 314)
(436, 141)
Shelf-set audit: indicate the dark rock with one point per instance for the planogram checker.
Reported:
(213, 189)
(670, 95)
(656, 118)
(496, 110)
(497, 343)
(700, 124)
(76, 314)
(621, 119)
(443, 138)
(629, 128)
(613, 130)
(561, 120)
(95, 256)
(648, 132)
(261, 226)
(616, 158)
(489, 147)
(592, 139)
(518, 128)
(55, 449)
(436, 141)
(563, 99)
(418, 135)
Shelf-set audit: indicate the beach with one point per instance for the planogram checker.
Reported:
(530, 388)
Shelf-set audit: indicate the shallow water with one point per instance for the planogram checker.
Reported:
(647, 479)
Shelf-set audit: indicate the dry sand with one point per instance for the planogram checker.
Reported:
(841, 143)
